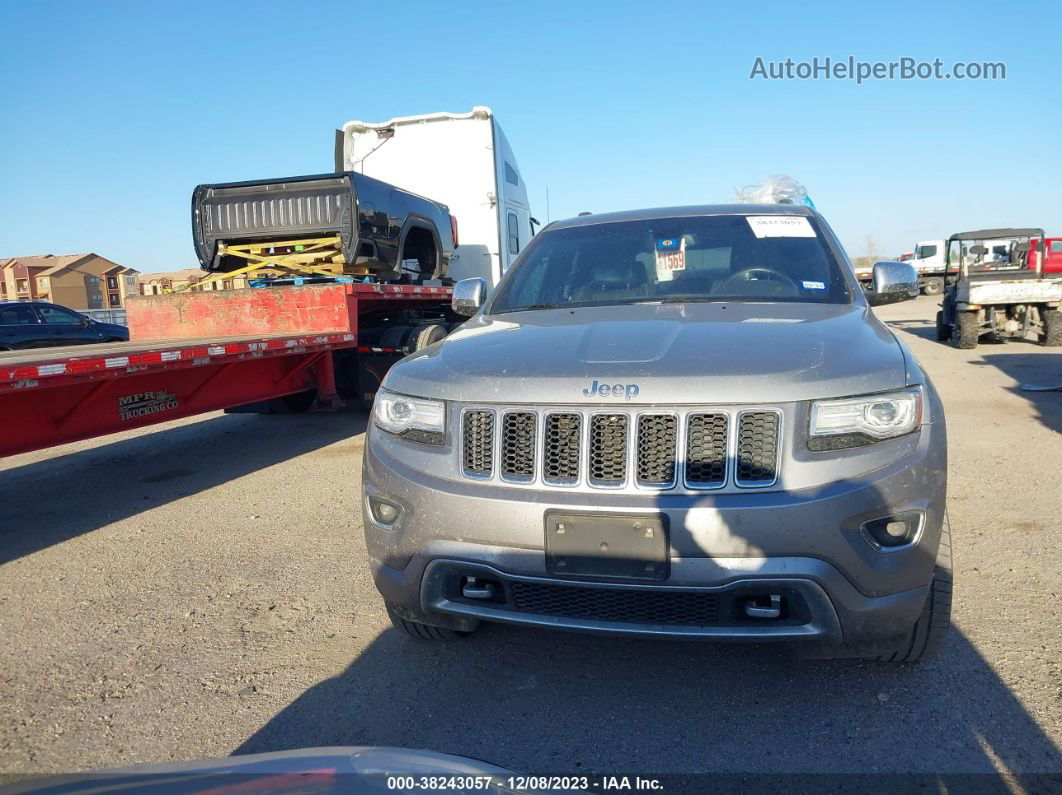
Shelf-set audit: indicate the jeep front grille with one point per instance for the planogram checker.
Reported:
(518, 445)
(649, 449)
(706, 436)
(562, 445)
(657, 442)
(478, 443)
(757, 446)
(608, 449)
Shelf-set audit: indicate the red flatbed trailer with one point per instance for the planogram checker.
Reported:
(281, 341)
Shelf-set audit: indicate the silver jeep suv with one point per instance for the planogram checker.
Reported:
(672, 423)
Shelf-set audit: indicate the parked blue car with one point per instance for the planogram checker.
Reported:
(36, 324)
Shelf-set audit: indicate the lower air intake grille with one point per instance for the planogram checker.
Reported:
(706, 449)
(757, 447)
(608, 449)
(561, 464)
(478, 452)
(657, 439)
(518, 444)
(605, 604)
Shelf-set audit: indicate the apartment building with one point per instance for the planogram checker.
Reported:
(79, 281)
(170, 281)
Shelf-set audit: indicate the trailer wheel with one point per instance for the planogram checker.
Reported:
(943, 329)
(395, 337)
(1051, 336)
(966, 330)
(424, 336)
(934, 286)
(419, 630)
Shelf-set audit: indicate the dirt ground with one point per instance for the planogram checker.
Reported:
(200, 588)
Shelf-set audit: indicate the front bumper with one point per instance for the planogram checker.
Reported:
(805, 543)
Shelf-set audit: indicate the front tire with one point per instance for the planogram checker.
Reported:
(965, 331)
(419, 630)
(923, 642)
(934, 286)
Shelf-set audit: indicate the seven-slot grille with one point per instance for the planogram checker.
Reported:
(598, 446)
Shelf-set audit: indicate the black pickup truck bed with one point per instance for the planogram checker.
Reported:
(384, 229)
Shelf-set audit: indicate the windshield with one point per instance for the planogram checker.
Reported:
(707, 258)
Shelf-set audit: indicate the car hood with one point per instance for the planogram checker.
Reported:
(659, 354)
(336, 769)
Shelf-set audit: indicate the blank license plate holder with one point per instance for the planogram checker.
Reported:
(607, 546)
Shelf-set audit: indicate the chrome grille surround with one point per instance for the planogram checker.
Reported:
(602, 447)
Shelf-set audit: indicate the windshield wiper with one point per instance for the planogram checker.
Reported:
(532, 307)
(679, 299)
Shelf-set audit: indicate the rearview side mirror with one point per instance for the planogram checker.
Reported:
(469, 295)
(893, 281)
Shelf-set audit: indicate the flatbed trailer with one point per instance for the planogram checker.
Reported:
(51, 396)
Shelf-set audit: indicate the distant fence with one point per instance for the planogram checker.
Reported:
(117, 316)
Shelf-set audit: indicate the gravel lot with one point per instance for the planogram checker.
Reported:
(200, 588)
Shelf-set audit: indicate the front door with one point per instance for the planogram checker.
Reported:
(66, 327)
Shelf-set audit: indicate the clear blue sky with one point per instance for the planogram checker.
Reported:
(112, 112)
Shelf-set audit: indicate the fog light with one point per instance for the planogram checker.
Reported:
(890, 532)
(382, 511)
(896, 529)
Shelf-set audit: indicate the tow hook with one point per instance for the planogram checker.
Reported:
(472, 590)
(754, 608)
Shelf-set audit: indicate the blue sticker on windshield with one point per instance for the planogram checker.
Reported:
(814, 285)
(668, 244)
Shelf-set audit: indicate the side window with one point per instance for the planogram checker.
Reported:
(1055, 246)
(514, 234)
(511, 176)
(18, 315)
(57, 316)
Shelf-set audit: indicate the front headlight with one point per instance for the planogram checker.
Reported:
(854, 422)
(419, 419)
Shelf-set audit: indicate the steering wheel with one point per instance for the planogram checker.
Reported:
(756, 274)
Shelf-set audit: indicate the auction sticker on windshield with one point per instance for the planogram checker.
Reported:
(670, 257)
(780, 226)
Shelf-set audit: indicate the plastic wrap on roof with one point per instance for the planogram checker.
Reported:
(778, 189)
